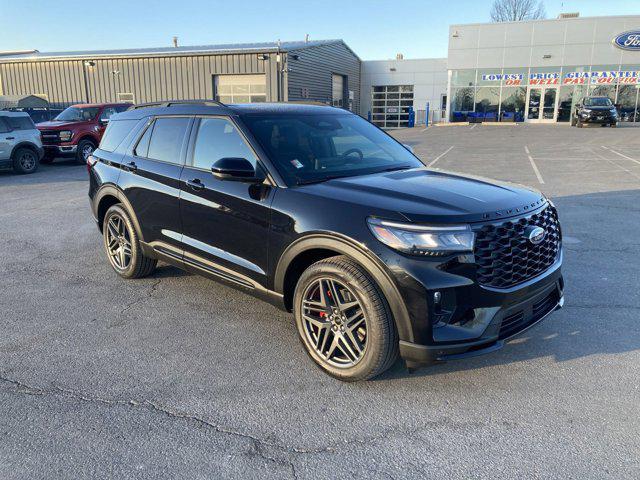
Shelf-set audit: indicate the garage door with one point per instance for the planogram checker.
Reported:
(390, 105)
(241, 88)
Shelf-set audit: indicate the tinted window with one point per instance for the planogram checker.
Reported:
(20, 123)
(166, 139)
(4, 127)
(597, 102)
(74, 114)
(142, 148)
(107, 112)
(115, 133)
(218, 138)
(122, 108)
(312, 148)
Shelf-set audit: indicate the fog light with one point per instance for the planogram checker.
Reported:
(437, 297)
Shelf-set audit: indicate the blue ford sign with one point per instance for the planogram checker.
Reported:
(628, 40)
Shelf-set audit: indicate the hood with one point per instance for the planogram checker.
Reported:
(426, 196)
(56, 125)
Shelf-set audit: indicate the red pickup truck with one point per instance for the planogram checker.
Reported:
(77, 130)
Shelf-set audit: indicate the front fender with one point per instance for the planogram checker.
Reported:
(367, 259)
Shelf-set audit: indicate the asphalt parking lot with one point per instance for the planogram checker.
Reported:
(176, 376)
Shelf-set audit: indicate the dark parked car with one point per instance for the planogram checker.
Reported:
(597, 110)
(323, 214)
(76, 131)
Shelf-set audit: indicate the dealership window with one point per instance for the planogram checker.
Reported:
(488, 101)
(512, 103)
(390, 105)
(241, 88)
(461, 103)
(627, 103)
(463, 78)
(489, 77)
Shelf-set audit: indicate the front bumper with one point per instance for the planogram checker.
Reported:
(605, 118)
(60, 150)
(506, 322)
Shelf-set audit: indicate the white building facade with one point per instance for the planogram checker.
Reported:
(536, 71)
(390, 88)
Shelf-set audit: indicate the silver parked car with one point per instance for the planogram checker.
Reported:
(20, 143)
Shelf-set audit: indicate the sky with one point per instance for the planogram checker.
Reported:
(374, 29)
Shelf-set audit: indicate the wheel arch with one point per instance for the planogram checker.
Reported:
(88, 136)
(25, 144)
(109, 195)
(314, 247)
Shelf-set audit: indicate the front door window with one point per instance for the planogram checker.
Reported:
(535, 94)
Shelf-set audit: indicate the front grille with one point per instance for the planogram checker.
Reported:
(506, 257)
(50, 136)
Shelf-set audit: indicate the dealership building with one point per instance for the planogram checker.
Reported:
(530, 71)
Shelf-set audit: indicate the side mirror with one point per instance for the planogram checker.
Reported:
(236, 169)
(104, 121)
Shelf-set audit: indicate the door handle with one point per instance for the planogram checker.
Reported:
(130, 167)
(195, 184)
(11, 138)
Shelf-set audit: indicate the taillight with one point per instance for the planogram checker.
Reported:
(91, 161)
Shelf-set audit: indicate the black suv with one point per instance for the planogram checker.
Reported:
(321, 213)
(598, 110)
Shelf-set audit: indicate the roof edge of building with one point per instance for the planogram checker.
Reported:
(541, 20)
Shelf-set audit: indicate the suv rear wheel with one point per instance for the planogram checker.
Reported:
(25, 160)
(85, 148)
(122, 245)
(344, 321)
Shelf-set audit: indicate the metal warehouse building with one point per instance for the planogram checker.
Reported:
(324, 70)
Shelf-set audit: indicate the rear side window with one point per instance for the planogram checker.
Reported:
(165, 141)
(116, 131)
(20, 123)
(4, 126)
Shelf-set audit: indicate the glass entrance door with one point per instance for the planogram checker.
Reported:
(542, 104)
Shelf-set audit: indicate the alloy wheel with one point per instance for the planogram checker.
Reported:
(334, 322)
(86, 151)
(118, 242)
(27, 161)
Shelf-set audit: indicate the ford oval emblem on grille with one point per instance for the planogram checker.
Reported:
(535, 234)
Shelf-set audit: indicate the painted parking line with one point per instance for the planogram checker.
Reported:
(620, 154)
(533, 164)
(440, 156)
(473, 126)
(633, 174)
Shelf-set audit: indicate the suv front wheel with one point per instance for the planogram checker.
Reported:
(344, 321)
(122, 245)
(25, 160)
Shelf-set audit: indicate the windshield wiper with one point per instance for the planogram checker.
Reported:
(393, 169)
(320, 180)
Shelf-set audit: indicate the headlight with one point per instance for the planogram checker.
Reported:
(423, 239)
(65, 135)
(586, 110)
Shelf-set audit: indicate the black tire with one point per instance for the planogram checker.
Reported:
(579, 124)
(25, 160)
(85, 148)
(138, 265)
(614, 125)
(380, 349)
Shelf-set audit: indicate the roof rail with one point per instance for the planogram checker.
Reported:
(172, 103)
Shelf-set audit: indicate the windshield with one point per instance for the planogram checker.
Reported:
(75, 114)
(597, 102)
(314, 148)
